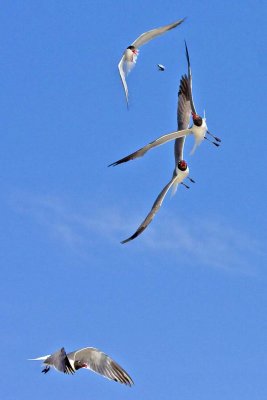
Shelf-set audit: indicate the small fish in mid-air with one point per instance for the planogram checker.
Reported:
(161, 67)
(89, 358)
(129, 57)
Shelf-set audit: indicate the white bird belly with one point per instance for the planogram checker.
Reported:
(199, 132)
(181, 175)
(129, 56)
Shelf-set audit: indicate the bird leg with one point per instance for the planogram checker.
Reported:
(187, 187)
(46, 369)
(191, 180)
(215, 144)
(215, 137)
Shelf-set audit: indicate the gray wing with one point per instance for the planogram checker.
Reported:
(179, 149)
(100, 363)
(184, 106)
(183, 115)
(123, 78)
(147, 36)
(190, 80)
(153, 211)
(161, 140)
(60, 361)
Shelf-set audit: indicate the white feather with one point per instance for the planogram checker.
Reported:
(174, 188)
(39, 358)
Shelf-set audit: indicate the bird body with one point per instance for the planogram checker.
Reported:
(199, 133)
(180, 177)
(130, 55)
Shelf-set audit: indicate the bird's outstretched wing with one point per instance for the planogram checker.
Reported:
(184, 104)
(161, 140)
(183, 116)
(60, 361)
(190, 80)
(147, 36)
(153, 211)
(100, 363)
(123, 78)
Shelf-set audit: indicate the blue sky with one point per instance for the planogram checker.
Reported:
(183, 307)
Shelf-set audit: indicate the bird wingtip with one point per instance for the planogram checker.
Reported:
(186, 51)
(125, 241)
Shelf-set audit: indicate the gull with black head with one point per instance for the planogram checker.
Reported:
(88, 358)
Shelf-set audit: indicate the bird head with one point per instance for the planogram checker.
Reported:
(133, 48)
(182, 165)
(197, 119)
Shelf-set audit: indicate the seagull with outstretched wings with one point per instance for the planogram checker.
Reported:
(88, 358)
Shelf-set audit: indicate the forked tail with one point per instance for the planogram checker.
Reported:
(196, 144)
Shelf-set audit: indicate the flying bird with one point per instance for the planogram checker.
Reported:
(161, 67)
(183, 119)
(129, 57)
(89, 358)
(198, 129)
(181, 170)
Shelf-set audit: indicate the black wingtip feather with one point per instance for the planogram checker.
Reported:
(130, 238)
(182, 20)
(135, 235)
(121, 161)
(116, 163)
(127, 240)
(187, 54)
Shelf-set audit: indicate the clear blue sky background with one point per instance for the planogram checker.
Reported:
(183, 307)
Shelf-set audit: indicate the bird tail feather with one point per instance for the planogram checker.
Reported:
(174, 188)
